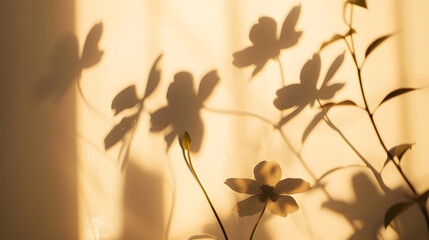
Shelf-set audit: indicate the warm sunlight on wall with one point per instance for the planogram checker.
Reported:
(140, 186)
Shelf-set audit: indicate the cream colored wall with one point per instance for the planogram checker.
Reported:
(198, 36)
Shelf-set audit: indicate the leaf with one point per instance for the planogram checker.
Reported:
(335, 38)
(360, 3)
(119, 131)
(424, 197)
(333, 68)
(398, 151)
(91, 55)
(395, 93)
(343, 103)
(153, 79)
(186, 141)
(313, 124)
(288, 35)
(375, 44)
(127, 98)
(394, 211)
(207, 85)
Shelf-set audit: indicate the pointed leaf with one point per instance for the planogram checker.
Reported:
(288, 35)
(335, 38)
(343, 103)
(207, 85)
(154, 78)
(360, 3)
(313, 124)
(186, 141)
(394, 211)
(333, 68)
(119, 131)
(127, 98)
(395, 93)
(398, 151)
(375, 44)
(91, 55)
(424, 197)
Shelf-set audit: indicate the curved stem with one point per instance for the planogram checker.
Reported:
(281, 71)
(259, 219)
(205, 194)
(243, 113)
(371, 117)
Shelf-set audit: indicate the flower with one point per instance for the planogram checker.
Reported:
(306, 92)
(267, 189)
(266, 45)
(182, 112)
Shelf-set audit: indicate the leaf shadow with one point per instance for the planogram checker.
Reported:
(306, 93)
(265, 43)
(368, 208)
(67, 65)
(245, 224)
(129, 107)
(182, 112)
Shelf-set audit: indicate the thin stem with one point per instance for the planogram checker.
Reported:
(242, 113)
(281, 71)
(205, 194)
(259, 219)
(367, 164)
(371, 117)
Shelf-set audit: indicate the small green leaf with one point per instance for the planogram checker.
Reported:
(394, 211)
(395, 93)
(360, 3)
(375, 44)
(424, 197)
(186, 141)
(398, 151)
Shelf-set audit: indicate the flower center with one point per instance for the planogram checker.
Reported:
(268, 192)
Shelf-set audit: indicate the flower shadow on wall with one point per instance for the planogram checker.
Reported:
(129, 106)
(67, 65)
(266, 45)
(307, 92)
(183, 110)
(368, 210)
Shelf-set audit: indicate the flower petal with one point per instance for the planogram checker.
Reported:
(283, 206)
(249, 206)
(264, 32)
(310, 72)
(268, 173)
(243, 185)
(291, 186)
(245, 57)
(291, 95)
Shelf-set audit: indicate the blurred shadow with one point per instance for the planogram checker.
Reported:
(368, 209)
(143, 212)
(266, 45)
(306, 92)
(245, 224)
(183, 110)
(124, 102)
(66, 66)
